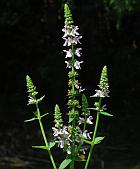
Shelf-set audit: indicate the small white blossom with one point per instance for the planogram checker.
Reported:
(74, 31)
(69, 150)
(77, 64)
(31, 100)
(65, 132)
(100, 93)
(77, 52)
(68, 64)
(66, 31)
(57, 132)
(89, 120)
(68, 53)
(62, 136)
(86, 135)
(79, 88)
(83, 149)
(60, 142)
(81, 120)
(70, 31)
(68, 41)
(76, 39)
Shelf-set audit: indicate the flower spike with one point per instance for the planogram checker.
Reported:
(68, 15)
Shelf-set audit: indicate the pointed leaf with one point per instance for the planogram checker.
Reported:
(32, 119)
(65, 163)
(71, 119)
(51, 143)
(106, 113)
(98, 140)
(40, 147)
(40, 99)
(44, 115)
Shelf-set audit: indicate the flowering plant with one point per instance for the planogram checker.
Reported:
(73, 135)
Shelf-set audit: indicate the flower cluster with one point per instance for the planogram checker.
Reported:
(63, 138)
(71, 138)
(103, 85)
(72, 38)
(73, 63)
(31, 89)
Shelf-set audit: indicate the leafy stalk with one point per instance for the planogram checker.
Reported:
(94, 135)
(31, 89)
(44, 137)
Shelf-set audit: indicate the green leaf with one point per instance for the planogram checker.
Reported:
(44, 115)
(40, 99)
(32, 119)
(65, 163)
(51, 143)
(41, 147)
(105, 113)
(98, 140)
(71, 119)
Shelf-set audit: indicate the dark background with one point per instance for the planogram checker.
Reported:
(31, 43)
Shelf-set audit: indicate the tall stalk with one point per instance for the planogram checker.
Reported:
(94, 136)
(44, 137)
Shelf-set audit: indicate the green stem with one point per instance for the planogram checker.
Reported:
(73, 122)
(94, 136)
(72, 165)
(44, 137)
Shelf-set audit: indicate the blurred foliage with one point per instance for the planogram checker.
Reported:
(120, 7)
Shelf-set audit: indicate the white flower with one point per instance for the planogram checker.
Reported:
(68, 41)
(83, 149)
(76, 39)
(62, 136)
(74, 31)
(31, 100)
(66, 31)
(56, 132)
(64, 130)
(69, 150)
(71, 36)
(68, 64)
(70, 31)
(77, 52)
(81, 120)
(89, 120)
(77, 64)
(79, 88)
(60, 142)
(86, 135)
(68, 53)
(99, 93)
